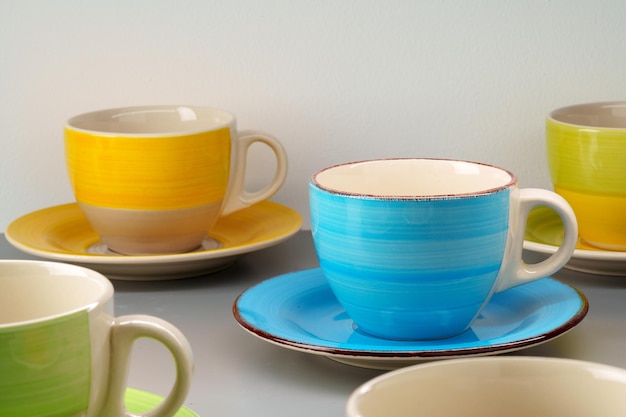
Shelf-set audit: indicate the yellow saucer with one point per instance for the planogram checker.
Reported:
(62, 233)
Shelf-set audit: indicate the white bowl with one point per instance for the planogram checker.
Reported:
(495, 386)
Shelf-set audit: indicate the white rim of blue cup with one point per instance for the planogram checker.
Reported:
(509, 184)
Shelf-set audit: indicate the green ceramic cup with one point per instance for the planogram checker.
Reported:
(62, 351)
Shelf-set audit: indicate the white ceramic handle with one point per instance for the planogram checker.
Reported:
(237, 197)
(124, 332)
(514, 270)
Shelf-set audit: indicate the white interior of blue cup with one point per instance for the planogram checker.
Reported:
(413, 178)
(151, 120)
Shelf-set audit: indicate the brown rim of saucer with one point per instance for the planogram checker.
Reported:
(416, 354)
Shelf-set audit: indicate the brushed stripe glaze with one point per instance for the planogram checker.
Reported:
(148, 173)
(578, 161)
(378, 254)
(44, 367)
(586, 152)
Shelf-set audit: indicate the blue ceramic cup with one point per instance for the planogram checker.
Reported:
(414, 249)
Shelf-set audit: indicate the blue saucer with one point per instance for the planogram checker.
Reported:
(299, 311)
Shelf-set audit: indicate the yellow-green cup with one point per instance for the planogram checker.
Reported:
(154, 179)
(586, 149)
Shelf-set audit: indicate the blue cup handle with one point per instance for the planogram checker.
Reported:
(514, 271)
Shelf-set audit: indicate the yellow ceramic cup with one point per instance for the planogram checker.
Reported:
(154, 179)
(586, 148)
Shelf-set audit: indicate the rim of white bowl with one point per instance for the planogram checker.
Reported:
(352, 406)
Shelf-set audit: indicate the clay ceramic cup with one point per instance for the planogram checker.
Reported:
(154, 179)
(494, 387)
(415, 248)
(586, 149)
(63, 353)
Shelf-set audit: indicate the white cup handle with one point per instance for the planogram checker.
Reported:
(124, 332)
(514, 270)
(237, 197)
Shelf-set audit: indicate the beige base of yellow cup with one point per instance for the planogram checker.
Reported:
(154, 179)
(586, 149)
(151, 231)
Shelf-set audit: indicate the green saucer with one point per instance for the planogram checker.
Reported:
(138, 401)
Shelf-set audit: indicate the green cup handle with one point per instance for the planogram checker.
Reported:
(514, 270)
(124, 332)
(237, 197)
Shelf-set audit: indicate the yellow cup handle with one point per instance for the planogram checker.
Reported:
(237, 197)
(124, 332)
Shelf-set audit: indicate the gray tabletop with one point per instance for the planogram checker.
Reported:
(237, 374)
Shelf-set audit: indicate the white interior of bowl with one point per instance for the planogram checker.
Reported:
(413, 178)
(495, 387)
